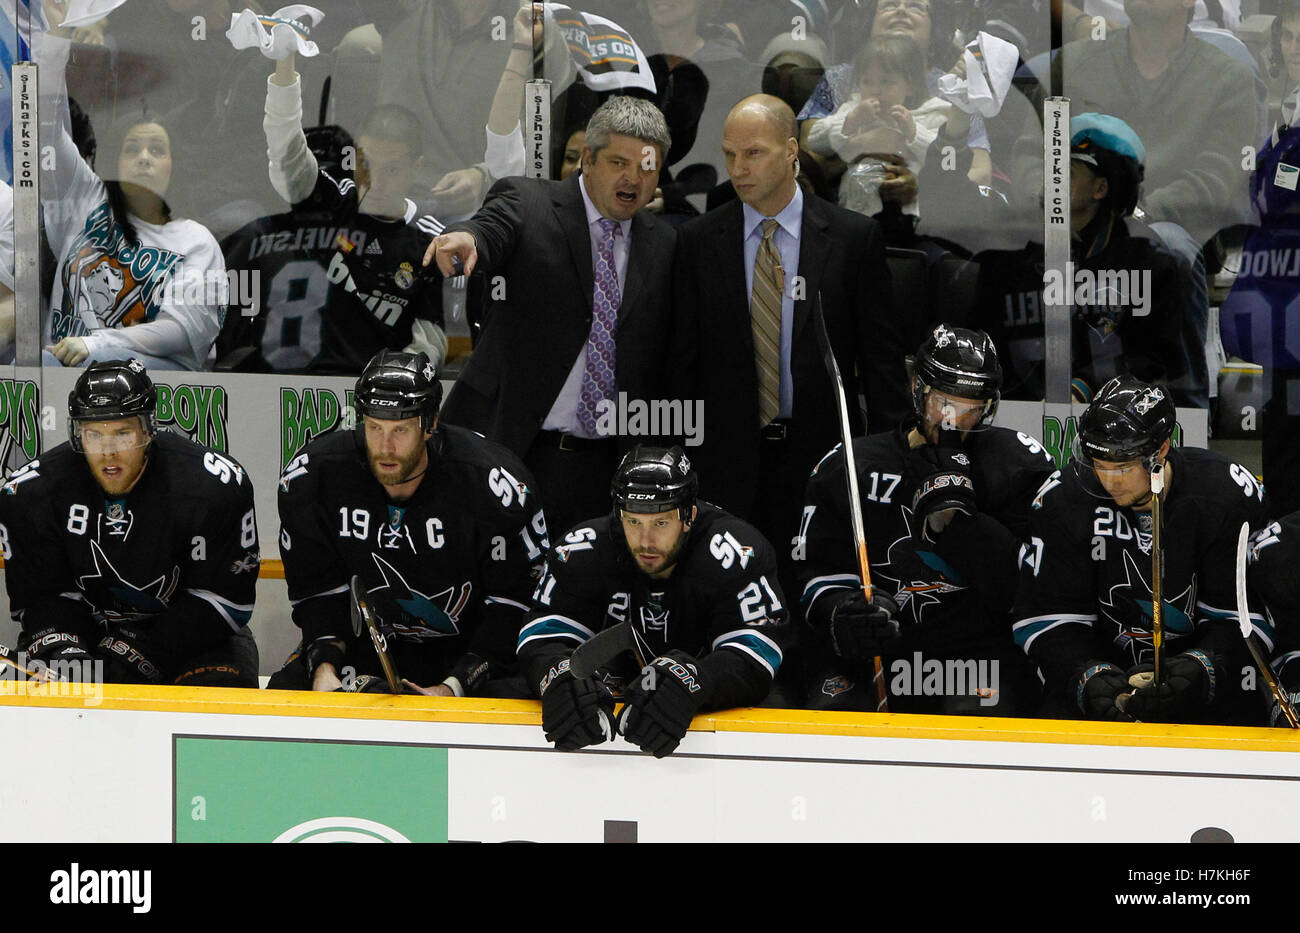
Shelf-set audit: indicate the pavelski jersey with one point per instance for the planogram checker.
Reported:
(335, 285)
(1271, 569)
(449, 570)
(722, 604)
(953, 589)
(176, 557)
(1085, 572)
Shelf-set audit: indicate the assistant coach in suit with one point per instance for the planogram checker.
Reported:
(580, 308)
(746, 277)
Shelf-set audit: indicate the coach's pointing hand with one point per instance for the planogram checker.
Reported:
(448, 247)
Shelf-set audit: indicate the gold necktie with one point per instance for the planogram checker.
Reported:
(765, 314)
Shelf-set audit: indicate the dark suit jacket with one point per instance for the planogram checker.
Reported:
(842, 257)
(533, 235)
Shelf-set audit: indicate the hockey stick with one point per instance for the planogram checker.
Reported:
(363, 616)
(1157, 568)
(851, 471)
(605, 646)
(1243, 622)
(12, 658)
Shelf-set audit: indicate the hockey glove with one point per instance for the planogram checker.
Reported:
(943, 485)
(50, 645)
(130, 658)
(858, 630)
(576, 712)
(1096, 689)
(1275, 716)
(1188, 690)
(660, 704)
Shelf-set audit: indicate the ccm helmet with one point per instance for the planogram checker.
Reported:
(960, 362)
(655, 479)
(108, 391)
(394, 386)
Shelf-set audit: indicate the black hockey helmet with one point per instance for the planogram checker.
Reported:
(1115, 152)
(961, 362)
(396, 385)
(1128, 420)
(655, 479)
(108, 391)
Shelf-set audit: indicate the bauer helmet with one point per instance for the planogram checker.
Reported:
(1128, 420)
(655, 479)
(394, 386)
(959, 362)
(108, 391)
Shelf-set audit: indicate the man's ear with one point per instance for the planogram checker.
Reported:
(1101, 189)
(695, 510)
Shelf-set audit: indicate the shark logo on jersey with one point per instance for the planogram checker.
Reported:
(125, 601)
(422, 617)
(919, 577)
(1129, 606)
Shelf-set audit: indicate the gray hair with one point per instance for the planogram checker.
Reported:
(628, 116)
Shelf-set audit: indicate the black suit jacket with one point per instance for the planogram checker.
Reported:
(842, 259)
(534, 250)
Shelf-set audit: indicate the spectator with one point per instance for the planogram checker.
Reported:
(930, 23)
(328, 301)
(1130, 295)
(133, 278)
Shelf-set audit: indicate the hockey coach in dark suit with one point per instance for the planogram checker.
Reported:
(579, 309)
(747, 277)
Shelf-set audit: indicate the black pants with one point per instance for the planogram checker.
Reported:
(232, 664)
(574, 483)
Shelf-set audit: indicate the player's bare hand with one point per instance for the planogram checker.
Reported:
(459, 192)
(437, 690)
(447, 248)
(70, 351)
(326, 678)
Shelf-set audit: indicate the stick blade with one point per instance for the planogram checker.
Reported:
(1243, 607)
(602, 648)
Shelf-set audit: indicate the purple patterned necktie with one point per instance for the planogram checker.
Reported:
(598, 373)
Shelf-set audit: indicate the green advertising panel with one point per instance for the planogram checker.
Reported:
(270, 790)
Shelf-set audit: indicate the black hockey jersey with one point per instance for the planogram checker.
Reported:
(1085, 572)
(449, 570)
(335, 286)
(1130, 313)
(177, 556)
(722, 604)
(954, 591)
(1271, 569)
